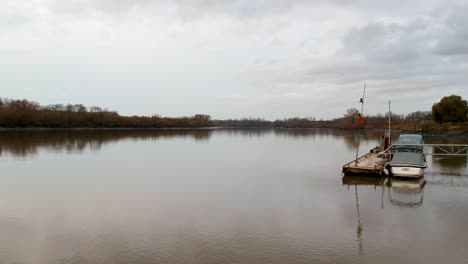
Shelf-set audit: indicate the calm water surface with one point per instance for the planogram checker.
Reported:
(223, 196)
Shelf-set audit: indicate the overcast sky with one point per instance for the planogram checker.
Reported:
(234, 58)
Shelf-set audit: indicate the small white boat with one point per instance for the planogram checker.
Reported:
(408, 159)
(409, 165)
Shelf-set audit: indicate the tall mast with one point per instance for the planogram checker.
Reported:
(389, 122)
(361, 116)
(362, 100)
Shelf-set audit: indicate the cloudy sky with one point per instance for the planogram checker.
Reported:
(234, 58)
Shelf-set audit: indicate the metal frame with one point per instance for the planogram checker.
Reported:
(428, 149)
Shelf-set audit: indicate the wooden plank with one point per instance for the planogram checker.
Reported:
(370, 163)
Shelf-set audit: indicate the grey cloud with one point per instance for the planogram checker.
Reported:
(391, 51)
(13, 19)
(188, 9)
(453, 40)
(13, 15)
(437, 34)
(236, 8)
(399, 59)
(89, 7)
(240, 9)
(275, 52)
(390, 43)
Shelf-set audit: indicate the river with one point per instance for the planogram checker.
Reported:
(219, 196)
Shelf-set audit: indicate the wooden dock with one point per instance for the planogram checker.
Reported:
(370, 164)
(360, 180)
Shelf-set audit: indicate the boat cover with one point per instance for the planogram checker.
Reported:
(410, 159)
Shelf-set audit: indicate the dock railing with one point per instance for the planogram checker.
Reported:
(432, 149)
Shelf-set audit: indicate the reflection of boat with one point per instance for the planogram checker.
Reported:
(408, 185)
(408, 159)
(407, 193)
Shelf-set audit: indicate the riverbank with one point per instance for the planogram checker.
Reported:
(452, 129)
(101, 128)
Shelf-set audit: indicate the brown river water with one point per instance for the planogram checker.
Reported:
(220, 196)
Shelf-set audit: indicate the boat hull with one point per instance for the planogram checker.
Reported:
(407, 172)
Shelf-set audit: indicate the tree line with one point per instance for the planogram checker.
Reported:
(450, 109)
(24, 113)
(347, 121)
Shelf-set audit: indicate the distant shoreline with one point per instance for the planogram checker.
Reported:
(24, 115)
(98, 128)
(436, 129)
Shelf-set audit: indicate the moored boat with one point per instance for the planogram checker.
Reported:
(408, 159)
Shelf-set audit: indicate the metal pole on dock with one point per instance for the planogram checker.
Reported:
(362, 100)
(361, 115)
(389, 123)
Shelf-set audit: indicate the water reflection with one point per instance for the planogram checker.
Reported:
(28, 143)
(241, 196)
(24, 143)
(359, 229)
(449, 163)
(401, 192)
(361, 181)
(352, 141)
(249, 132)
(406, 193)
(349, 136)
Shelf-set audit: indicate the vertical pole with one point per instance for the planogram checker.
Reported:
(389, 123)
(359, 128)
(362, 101)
